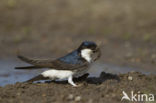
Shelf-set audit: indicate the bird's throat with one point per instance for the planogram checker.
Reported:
(86, 54)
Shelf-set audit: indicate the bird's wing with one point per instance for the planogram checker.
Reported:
(56, 64)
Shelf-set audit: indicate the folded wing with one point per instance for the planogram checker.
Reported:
(57, 64)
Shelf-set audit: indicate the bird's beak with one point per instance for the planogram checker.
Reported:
(98, 51)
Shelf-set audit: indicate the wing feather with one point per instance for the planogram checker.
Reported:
(57, 64)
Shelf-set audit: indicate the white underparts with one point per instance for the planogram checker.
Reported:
(60, 74)
(86, 54)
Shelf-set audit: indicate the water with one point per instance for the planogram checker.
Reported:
(8, 75)
(97, 68)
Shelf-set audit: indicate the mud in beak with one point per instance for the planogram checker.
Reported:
(98, 51)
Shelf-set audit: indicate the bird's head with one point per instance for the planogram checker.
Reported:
(87, 49)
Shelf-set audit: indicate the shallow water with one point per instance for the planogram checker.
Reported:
(8, 75)
(97, 68)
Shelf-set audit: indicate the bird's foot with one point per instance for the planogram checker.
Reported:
(70, 81)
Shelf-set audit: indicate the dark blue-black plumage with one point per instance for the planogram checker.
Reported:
(72, 58)
(75, 57)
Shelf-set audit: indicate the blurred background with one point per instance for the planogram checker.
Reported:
(126, 29)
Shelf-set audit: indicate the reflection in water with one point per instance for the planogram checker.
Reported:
(8, 75)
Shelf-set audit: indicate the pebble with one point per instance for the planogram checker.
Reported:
(71, 97)
(18, 94)
(43, 95)
(78, 98)
(130, 78)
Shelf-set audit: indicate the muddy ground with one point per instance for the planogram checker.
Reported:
(105, 89)
(126, 30)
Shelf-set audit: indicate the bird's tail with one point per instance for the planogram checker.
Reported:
(28, 60)
(36, 62)
(39, 77)
(28, 67)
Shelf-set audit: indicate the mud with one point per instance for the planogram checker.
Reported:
(103, 89)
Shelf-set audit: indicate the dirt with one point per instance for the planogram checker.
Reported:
(125, 30)
(103, 89)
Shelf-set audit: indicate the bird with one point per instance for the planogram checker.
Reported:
(74, 64)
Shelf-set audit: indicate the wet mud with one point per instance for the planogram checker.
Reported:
(103, 89)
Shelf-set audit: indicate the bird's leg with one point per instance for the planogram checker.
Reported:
(70, 81)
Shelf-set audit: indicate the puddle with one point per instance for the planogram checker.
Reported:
(8, 75)
(97, 68)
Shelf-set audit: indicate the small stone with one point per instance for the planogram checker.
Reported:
(43, 95)
(107, 96)
(71, 97)
(78, 98)
(18, 94)
(130, 78)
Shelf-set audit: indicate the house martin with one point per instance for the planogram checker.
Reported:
(74, 64)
